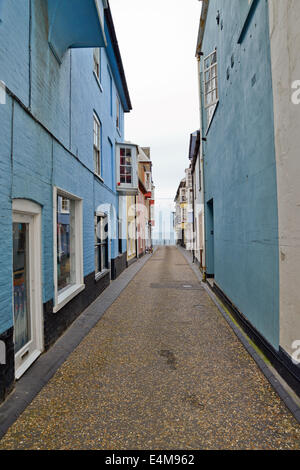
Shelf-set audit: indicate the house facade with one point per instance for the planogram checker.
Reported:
(183, 221)
(140, 207)
(247, 53)
(62, 129)
(196, 167)
(145, 201)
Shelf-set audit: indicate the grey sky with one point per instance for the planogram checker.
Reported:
(157, 41)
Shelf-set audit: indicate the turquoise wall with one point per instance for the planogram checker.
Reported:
(240, 171)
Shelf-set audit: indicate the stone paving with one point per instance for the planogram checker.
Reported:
(161, 370)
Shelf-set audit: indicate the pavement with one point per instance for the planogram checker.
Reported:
(162, 370)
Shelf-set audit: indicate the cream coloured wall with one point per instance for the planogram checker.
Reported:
(284, 19)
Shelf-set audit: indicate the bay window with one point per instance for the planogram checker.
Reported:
(127, 172)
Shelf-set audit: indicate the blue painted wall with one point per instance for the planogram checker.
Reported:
(62, 98)
(240, 172)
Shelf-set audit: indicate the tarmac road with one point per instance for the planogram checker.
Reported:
(161, 370)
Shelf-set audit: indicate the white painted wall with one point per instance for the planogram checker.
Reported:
(285, 57)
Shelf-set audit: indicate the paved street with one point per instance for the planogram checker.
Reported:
(161, 370)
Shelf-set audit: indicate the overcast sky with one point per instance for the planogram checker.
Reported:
(157, 40)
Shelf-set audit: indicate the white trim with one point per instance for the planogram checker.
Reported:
(216, 89)
(98, 276)
(101, 22)
(31, 213)
(99, 177)
(98, 81)
(61, 299)
(32, 358)
(68, 295)
(25, 206)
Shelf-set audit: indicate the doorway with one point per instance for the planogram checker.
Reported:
(27, 299)
(210, 252)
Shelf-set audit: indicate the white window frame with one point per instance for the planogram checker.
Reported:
(24, 208)
(209, 69)
(97, 63)
(97, 147)
(104, 218)
(63, 210)
(118, 113)
(67, 294)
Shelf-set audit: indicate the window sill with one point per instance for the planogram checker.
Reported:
(99, 276)
(98, 82)
(247, 20)
(212, 117)
(68, 295)
(99, 177)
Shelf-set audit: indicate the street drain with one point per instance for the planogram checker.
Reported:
(175, 285)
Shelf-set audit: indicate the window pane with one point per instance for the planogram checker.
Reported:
(64, 234)
(22, 325)
(97, 260)
(101, 244)
(207, 62)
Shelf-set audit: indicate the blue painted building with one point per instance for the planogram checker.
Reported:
(236, 76)
(61, 236)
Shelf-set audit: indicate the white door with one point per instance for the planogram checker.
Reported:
(27, 301)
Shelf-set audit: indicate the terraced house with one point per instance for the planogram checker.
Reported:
(61, 141)
(248, 75)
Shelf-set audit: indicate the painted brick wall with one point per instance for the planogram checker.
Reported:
(62, 97)
(5, 217)
(240, 171)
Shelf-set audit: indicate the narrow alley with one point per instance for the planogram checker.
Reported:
(161, 370)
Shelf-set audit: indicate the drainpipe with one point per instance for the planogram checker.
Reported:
(193, 217)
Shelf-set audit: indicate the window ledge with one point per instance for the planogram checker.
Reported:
(99, 177)
(212, 117)
(68, 295)
(103, 273)
(247, 20)
(98, 82)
